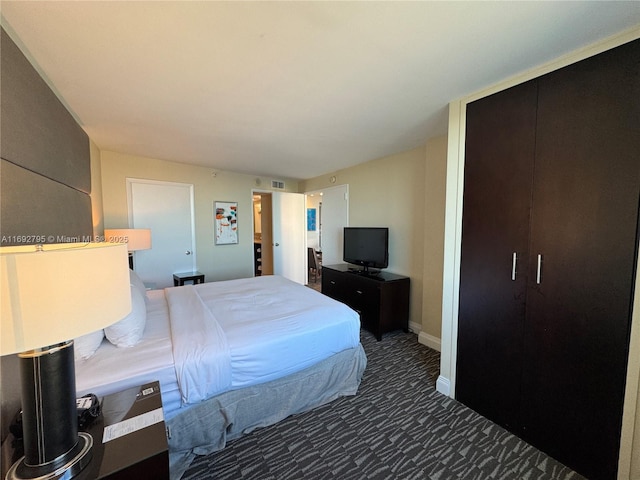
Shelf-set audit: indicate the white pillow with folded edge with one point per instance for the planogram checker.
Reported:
(128, 331)
(85, 346)
(137, 282)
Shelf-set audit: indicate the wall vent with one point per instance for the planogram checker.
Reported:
(279, 184)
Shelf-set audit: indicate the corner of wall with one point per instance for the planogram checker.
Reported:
(97, 212)
(430, 341)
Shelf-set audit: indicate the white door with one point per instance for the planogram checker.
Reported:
(289, 236)
(334, 217)
(167, 209)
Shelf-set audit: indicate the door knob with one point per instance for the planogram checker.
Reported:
(277, 244)
(188, 252)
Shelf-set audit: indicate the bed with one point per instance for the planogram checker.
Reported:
(230, 357)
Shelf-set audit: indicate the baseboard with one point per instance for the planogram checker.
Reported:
(415, 327)
(443, 386)
(430, 341)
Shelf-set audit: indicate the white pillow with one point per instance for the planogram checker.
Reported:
(137, 282)
(128, 331)
(86, 345)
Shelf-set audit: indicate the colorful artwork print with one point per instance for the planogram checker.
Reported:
(226, 223)
(311, 219)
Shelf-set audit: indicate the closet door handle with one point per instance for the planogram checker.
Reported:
(513, 266)
(539, 270)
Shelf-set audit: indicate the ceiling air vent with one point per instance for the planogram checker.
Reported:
(279, 184)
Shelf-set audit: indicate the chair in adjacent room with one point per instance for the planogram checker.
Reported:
(314, 264)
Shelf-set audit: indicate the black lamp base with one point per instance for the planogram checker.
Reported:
(64, 467)
(53, 447)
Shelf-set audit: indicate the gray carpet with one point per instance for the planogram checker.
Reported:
(396, 427)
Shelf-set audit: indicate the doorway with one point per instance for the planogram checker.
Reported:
(262, 234)
(279, 234)
(332, 215)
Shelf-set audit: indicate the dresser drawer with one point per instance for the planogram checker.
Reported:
(334, 285)
(381, 299)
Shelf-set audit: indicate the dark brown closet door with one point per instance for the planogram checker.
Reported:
(584, 223)
(497, 199)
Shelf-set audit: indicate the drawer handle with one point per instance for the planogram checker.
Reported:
(359, 291)
(513, 266)
(332, 282)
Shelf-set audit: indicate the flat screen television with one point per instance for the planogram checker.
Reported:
(366, 246)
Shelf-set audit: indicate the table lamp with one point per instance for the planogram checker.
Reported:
(135, 238)
(49, 295)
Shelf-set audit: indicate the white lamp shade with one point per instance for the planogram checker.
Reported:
(60, 293)
(135, 238)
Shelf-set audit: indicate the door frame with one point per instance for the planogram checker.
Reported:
(130, 181)
(321, 191)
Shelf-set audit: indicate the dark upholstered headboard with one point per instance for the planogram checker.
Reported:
(46, 169)
(45, 176)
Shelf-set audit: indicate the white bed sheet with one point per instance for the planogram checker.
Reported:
(112, 369)
(275, 327)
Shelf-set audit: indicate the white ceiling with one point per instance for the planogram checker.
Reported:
(288, 89)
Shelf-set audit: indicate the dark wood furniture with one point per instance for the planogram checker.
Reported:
(195, 277)
(257, 258)
(382, 300)
(549, 241)
(141, 453)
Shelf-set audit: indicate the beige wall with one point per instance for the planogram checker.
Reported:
(217, 262)
(434, 203)
(393, 191)
(635, 451)
(630, 447)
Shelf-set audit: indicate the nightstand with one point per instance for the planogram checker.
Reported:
(180, 278)
(138, 446)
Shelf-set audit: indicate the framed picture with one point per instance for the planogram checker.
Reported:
(311, 219)
(226, 223)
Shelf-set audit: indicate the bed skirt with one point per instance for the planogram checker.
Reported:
(206, 427)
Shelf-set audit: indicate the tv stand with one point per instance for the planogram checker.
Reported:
(381, 298)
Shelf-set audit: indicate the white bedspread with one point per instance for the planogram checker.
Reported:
(268, 326)
(200, 348)
(261, 329)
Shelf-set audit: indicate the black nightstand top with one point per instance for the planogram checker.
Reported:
(142, 450)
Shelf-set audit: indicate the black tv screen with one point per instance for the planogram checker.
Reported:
(366, 246)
